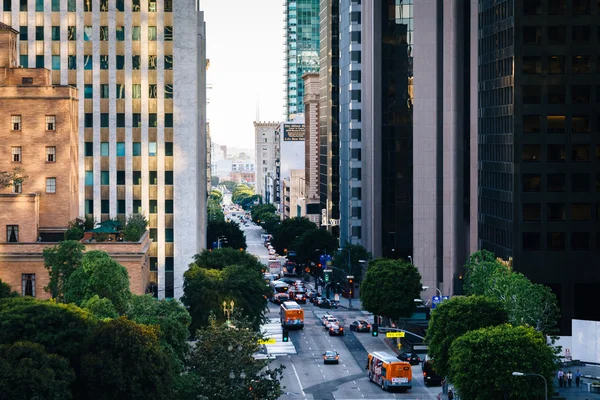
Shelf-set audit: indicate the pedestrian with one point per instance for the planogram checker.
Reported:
(450, 395)
(444, 386)
(561, 375)
(569, 377)
(577, 378)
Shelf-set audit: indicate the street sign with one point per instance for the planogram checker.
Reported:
(394, 334)
(349, 276)
(292, 253)
(327, 270)
(268, 341)
(435, 300)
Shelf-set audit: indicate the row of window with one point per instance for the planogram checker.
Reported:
(581, 64)
(137, 178)
(17, 154)
(557, 35)
(87, 5)
(17, 186)
(557, 94)
(136, 149)
(119, 93)
(580, 241)
(136, 120)
(558, 212)
(532, 153)
(558, 123)
(88, 62)
(16, 122)
(88, 32)
(557, 182)
(137, 206)
(558, 7)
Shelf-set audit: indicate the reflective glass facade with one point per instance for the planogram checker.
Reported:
(302, 50)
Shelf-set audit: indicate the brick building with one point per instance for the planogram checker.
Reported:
(39, 134)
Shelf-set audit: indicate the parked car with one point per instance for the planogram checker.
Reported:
(336, 330)
(331, 357)
(412, 358)
(360, 326)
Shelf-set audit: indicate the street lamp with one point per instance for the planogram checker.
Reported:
(410, 259)
(438, 290)
(541, 376)
(350, 282)
(228, 310)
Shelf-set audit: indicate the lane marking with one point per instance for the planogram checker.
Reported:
(298, 378)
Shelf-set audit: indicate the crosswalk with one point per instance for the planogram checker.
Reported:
(272, 329)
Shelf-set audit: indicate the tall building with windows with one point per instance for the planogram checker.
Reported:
(350, 124)
(139, 68)
(266, 146)
(301, 53)
(539, 146)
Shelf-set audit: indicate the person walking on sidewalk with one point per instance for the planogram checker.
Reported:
(450, 395)
(569, 377)
(577, 378)
(561, 376)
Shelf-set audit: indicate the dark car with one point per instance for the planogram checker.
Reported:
(430, 377)
(300, 297)
(411, 358)
(336, 330)
(331, 357)
(325, 303)
(360, 326)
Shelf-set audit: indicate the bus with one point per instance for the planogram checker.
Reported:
(389, 372)
(291, 315)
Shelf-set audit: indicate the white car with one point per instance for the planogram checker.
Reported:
(325, 317)
(331, 321)
(272, 252)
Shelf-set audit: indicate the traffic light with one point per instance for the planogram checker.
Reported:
(286, 335)
(375, 330)
(351, 281)
(326, 276)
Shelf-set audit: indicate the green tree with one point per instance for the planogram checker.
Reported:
(75, 231)
(204, 291)
(390, 288)
(8, 178)
(481, 269)
(216, 195)
(312, 244)
(481, 363)
(124, 361)
(99, 275)
(215, 212)
(221, 258)
(214, 181)
(135, 227)
(357, 253)
(240, 193)
(262, 212)
(27, 371)
(5, 291)
(288, 231)
(61, 261)
(224, 368)
(172, 319)
(229, 185)
(101, 308)
(236, 238)
(455, 317)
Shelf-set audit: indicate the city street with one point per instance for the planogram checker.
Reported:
(305, 375)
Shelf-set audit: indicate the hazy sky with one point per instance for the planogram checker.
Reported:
(245, 48)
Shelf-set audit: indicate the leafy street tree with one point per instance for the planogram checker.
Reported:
(263, 211)
(124, 361)
(8, 178)
(214, 181)
(99, 275)
(312, 244)
(357, 253)
(221, 258)
(170, 316)
(481, 363)
(288, 231)
(5, 291)
(135, 227)
(223, 368)
(231, 230)
(61, 261)
(216, 195)
(452, 319)
(215, 212)
(241, 192)
(390, 288)
(101, 308)
(480, 270)
(229, 185)
(27, 371)
(204, 291)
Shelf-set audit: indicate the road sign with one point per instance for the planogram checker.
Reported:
(394, 334)
(268, 341)
(327, 270)
(349, 276)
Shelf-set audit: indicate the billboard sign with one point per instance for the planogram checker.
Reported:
(293, 132)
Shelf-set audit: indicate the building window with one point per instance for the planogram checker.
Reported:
(105, 178)
(152, 33)
(120, 5)
(556, 211)
(532, 183)
(56, 33)
(582, 65)
(168, 206)
(580, 241)
(16, 122)
(168, 6)
(88, 63)
(28, 285)
(531, 124)
(532, 65)
(581, 212)
(152, 149)
(16, 153)
(135, 5)
(137, 178)
(581, 34)
(168, 148)
(168, 177)
(136, 120)
(581, 6)
(120, 62)
(89, 178)
(120, 177)
(168, 62)
(556, 7)
(50, 154)
(137, 206)
(88, 149)
(532, 94)
(557, 153)
(136, 91)
(104, 5)
(17, 186)
(88, 91)
(104, 149)
(152, 62)
(50, 185)
(104, 206)
(169, 235)
(120, 94)
(531, 212)
(89, 206)
(55, 6)
(152, 5)
(87, 33)
(72, 33)
(120, 34)
(72, 62)
(531, 152)
(137, 148)
(556, 240)
(23, 32)
(580, 124)
(580, 153)
(104, 91)
(88, 120)
(152, 91)
(556, 123)
(50, 122)
(580, 183)
(153, 207)
(12, 233)
(557, 183)
(39, 33)
(24, 62)
(136, 33)
(531, 241)
(55, 63)
(152, 120)
(120, 206)
(168, 120)
(153, 178)
(556, 94)
(169, 91)
(120, 120)
(104, 33)
(103, 62)
(154, 234)
(120, 149)
(135, 62)
(557, 35)
(168, 33)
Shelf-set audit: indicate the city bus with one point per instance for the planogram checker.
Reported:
(389, 372)
(291, 315)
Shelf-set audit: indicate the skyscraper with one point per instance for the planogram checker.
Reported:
(140, 70)
(301, 50)
(539, 152)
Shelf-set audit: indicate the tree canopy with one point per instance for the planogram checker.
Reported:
(223, 367)
(221, 258)
(230, 230)
(240, 193)
(61, 261)
(266, 216)
(229, 185)
(214, 181)
(390, 288)
(288, 231)
(455, 317)
(99, 275)
(27, 371)
(216, 195)
(483, 361)
(312, 244)
(357, 253)
(5, 291)
(8, 178)
(135, 227)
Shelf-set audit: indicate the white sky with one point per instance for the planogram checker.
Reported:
(245, 47)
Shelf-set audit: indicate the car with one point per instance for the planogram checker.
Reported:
(325, 303)
(271, 252)
(315, 299)
(331, 321)
(300, 298)
(336, 330)
(412, 358)
(430, 376)
(331, 357)
(325, 317)
(360, 326)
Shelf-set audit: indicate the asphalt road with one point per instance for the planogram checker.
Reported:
(305, 375)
